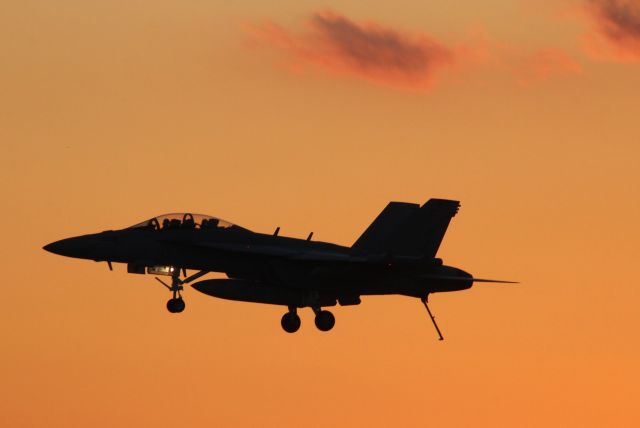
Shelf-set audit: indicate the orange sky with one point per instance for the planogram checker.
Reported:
(112, 112)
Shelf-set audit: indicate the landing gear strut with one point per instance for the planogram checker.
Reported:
(290, 321)
(176, 303)
(324, 319)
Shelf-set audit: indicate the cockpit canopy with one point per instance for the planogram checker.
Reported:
(184, 221)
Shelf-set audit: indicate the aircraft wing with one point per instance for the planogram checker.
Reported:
(263, 250)
(317, 256)
(287, 253)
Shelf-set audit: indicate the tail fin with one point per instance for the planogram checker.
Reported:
(422, 233)
(379, 233)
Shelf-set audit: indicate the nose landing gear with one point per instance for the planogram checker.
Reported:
(176, 303)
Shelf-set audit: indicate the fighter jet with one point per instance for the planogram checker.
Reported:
(396, 254)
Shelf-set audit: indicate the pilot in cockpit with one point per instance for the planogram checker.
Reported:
(209, 223)
(188, 222)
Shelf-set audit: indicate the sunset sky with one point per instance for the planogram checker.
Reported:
(311, 116)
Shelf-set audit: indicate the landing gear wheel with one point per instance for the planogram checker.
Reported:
(175, 305)
(325, 320)
(290, 322)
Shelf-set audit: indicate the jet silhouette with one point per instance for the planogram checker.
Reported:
(396, 254)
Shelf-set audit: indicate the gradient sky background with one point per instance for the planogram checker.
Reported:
(312, 115)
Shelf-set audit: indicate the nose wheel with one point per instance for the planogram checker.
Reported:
(176, 304)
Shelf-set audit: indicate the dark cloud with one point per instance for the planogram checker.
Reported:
(619, 22)
(379, 51)
(414, 61)
(367, 50)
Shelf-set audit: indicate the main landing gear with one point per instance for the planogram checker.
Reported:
(176, 303)
(291, 321)
(324, 319)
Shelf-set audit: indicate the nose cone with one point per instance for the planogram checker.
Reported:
(82, 247)
(57, 247)
(71, 247)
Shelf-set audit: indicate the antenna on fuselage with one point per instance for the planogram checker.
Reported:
(309, 237)
(277, 231)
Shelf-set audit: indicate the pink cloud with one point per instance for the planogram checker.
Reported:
(370, 51)
(545, 63)
(414, 61)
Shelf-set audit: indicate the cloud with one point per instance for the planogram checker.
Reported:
(545, 63)
(526, 65)
(414, 61)
(370, 51)
(617, 25)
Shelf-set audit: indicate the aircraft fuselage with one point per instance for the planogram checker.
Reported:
(242, 254)
(396, 254)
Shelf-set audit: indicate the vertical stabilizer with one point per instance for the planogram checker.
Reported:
(422, 233)
(379, 233)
